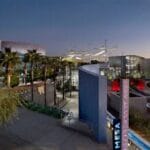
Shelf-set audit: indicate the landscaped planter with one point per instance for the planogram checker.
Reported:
(50, 111)
(135, 101)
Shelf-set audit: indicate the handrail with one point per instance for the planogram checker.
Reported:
(133, 137)
(138, 141)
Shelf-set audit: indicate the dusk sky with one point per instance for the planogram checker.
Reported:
(61, 25)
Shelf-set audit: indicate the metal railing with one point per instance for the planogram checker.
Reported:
(135, 140)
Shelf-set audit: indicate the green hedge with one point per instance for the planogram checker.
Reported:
(50, 111)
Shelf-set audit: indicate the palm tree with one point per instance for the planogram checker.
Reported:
(63, 70)
(70, 63)
(10, 60)
(71, 66)
(1, 57)
(55, 65)
(1, 60)
(25, 61)
(32, 57)
(45, 60)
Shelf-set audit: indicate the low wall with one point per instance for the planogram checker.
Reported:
(39, 93)
(138, 103)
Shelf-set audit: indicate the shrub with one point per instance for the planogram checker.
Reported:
(8, 105)
(14, 80)
(138, 122)
(51, 111)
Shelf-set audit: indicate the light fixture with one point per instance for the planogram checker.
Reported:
(87, 55)
(71, 56)
(99, 53)
(78, 58)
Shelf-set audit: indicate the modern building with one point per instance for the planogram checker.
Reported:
(87, 56)
(21, 47)
(134, 66)
(147, 68)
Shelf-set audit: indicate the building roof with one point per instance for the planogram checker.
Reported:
(94, 68)
(21, 47)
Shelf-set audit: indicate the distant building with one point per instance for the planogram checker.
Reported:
(134, 65)
(87, 56)
(147, 68)
(20, 47)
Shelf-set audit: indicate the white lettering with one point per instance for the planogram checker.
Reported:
(117, 145)
(117, 137)
(117, 125)
(117, 132)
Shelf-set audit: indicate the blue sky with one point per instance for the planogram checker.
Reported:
(60, 25)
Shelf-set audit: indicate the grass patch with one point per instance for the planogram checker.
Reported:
(9, 102)
(139, 123)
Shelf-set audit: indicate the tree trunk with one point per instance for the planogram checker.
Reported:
(55, 92)
(63, 87)
(63, 92)
(70, 74)
(8, 80)
(45, 100)
(8, 75)
(25, 73)
(32, 88)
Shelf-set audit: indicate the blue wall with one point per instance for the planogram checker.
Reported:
(93, 102)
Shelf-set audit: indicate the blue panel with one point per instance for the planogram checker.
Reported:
(89, 104)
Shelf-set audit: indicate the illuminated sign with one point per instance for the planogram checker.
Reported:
(116, 134)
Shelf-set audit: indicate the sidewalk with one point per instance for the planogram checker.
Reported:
(72, 120)
(34, 131)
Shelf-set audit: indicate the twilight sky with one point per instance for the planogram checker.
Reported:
(61, 25)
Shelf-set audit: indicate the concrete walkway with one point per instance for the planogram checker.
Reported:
(72, 121)
(34, 131)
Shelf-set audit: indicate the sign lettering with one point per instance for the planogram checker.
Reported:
(117, 135)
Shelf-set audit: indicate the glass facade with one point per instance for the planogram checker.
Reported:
(134, 66)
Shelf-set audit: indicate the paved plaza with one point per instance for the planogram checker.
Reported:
(34, 131)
